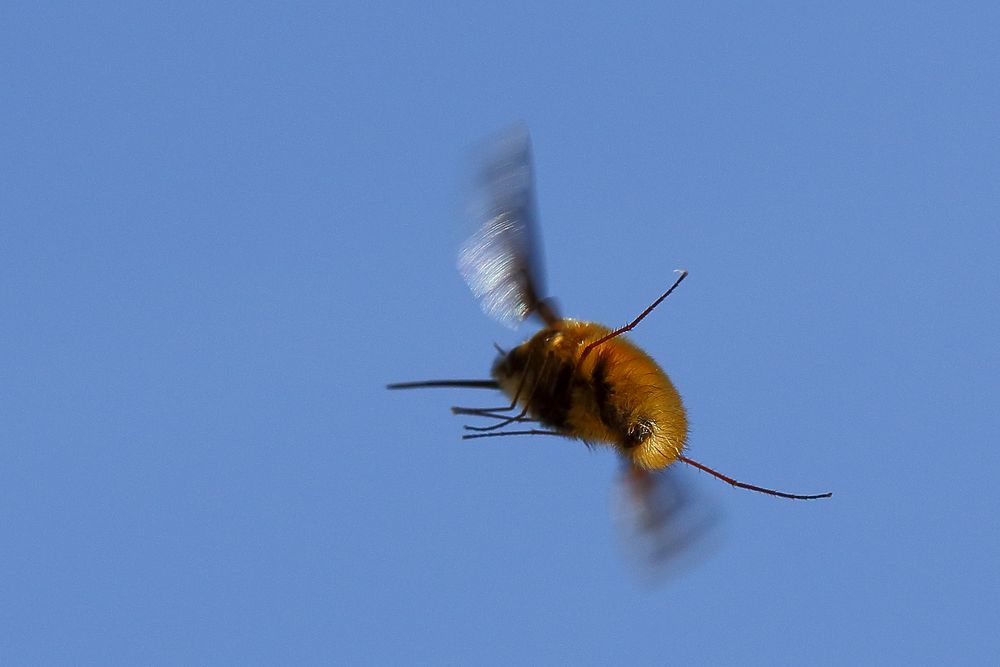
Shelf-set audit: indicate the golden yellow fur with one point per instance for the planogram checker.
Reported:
(616, 394)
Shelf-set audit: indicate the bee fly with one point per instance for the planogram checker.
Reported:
(573, 379)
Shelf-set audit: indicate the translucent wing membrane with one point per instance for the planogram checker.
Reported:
(501, 262)
(664, 526)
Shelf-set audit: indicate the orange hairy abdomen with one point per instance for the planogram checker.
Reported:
(615, 394)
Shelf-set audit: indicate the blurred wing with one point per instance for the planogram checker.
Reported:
(501, 261)
(663, 524)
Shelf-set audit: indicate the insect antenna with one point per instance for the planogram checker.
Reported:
(751, 487)
(631, 325)
(477, 384)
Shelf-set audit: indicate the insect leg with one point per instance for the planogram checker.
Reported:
(481, 412)
(751, 487)
(484, 412)
(487, 412)
(524, 411)
(631, 325)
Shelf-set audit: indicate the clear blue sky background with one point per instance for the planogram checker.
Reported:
(224, 229)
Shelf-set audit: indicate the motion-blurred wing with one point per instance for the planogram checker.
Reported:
(501, 262)
(663, 525)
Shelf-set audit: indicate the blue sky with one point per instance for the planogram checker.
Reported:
(225, 228)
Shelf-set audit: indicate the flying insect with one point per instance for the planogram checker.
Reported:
(572, 378)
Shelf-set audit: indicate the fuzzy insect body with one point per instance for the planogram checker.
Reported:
(578, 379)
(616, 395)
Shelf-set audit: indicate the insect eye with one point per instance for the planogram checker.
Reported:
(638, 432)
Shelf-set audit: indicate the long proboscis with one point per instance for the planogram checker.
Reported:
(751, 487)
(475, 384)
